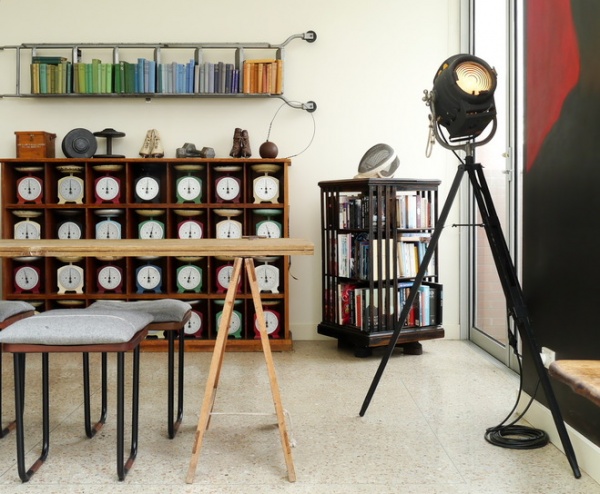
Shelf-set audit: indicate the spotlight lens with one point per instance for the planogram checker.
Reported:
(473, 78)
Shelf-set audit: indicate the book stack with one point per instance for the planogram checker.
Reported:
(51, 75)
(263, 76)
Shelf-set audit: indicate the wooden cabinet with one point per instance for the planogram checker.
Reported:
(374, 233)
(150, 198)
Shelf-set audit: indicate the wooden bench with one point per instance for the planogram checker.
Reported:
(582, 376)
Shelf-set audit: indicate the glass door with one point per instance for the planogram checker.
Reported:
(492, 29)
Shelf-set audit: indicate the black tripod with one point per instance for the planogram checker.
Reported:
(510, 284)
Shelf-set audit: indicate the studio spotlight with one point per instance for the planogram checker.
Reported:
(462, 102)
(462, 99)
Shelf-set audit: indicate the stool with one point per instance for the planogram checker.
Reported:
(169, 315)
(10, 312)
(82, 331)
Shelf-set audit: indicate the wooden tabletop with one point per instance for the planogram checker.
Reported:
(244, 247)
(583, 376)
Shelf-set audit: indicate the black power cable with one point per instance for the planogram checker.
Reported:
(512, 435)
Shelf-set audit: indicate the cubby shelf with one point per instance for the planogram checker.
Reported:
(48, 210)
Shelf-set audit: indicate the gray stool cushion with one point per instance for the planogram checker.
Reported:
(76, 327)
(10, 308)
(163, 310)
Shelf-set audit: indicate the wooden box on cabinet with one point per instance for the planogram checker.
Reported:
(35, 144)
(175, 211)
(374, 233)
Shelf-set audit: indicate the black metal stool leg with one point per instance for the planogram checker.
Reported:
(90, 431)
(172, 423)
(19, 369)
(124, 467)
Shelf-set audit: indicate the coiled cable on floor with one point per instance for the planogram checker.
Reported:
(515, 436)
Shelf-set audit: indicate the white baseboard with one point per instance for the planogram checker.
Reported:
(587, 453)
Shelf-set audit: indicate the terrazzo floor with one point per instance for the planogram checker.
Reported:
(422, 434)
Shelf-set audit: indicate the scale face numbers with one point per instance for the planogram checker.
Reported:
(109, 278)
(108, 230)
(27, 278)
(189, 189)
(151, 229)
(189, 229)
(29, 189)
(228, 189)
(107, 189)
(69, 230)
(70, 189)
(27, 230)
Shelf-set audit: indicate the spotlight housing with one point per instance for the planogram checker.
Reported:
(462, 97)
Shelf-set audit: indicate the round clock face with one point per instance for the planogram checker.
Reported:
(109, 278)
(269, 229)
(194, 326)
(29, 189)
(149, 277)
(27, 230)
(107, 189)
(271, 321)
(26, 278)
(266, 189)
(189, 229)
(70, 189)
(69, 230)
(229, 229)
(267, 277)
(108, 229)
(69, 278)
(147, 188)
(189, 277)
(151, 229)
(227, 188)
(235, 324)
(189, 188)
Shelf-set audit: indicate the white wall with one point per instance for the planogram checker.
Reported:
(366, 72)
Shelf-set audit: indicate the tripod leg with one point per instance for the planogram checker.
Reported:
(515, 299)
(415, 287)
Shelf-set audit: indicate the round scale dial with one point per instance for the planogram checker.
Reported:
(27, 230)
(109, 278)
(29, 189)
(70, 189)
(194, 325)
(107, 189)
(269, 229)
(108, 229)
(267, 277)
(147, 188)
(229, 228)
(271, 322)
(148, 277)
(189, 278)
(27, 279)
(227, 189)
(69, 278)
(235, 324)
(189, 229)
(265, 189)
(69, 230)
(151, 229)
(189, 189)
